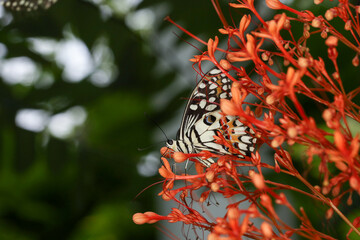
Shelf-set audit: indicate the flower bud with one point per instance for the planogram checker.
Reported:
(329, 213)
(292, 132)
(214, 187)
(329, 15)
(331, 41)
(140, 218)
(270, 99)
(225, 64)
(354, 183)
(316, 23)
(323, 34)
(327, 115)
(355, 61)
(233, 213)
(347, 26)
(274, 4)
(266, 230)
(258, 181)
(179, 157)
(210, 175)
(303, 62)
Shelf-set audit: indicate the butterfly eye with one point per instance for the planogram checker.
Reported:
(210, 119)
(170, 142)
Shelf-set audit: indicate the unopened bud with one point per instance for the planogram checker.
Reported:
(306, 34)
(287, 24)
(264, 56)
(327, 115)
(316, 23)
(347, 26)
(266, 230)
(329, 15)
(336, 190)
(258, 181)
(210, 176)
(292, 132)
(355, 61)
(323, 34)
(270, 99)
(214, 187)
(225, 64)
(331, 41)
(213, 236)
(233, 213)
(354, 183)
(329, 213)
(317, 188)
(140, 218)
(179, 157)
(303, 63)
(271, 62)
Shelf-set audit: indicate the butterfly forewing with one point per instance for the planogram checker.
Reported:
(205, 98)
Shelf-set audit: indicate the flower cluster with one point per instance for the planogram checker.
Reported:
(279, 118)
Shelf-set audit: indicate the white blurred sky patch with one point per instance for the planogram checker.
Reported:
(117, 7)
(63, 125)
(3, 51)
(5, 17)
(149, 165)
(44, 46)
(105, 70)
(34, 120)
(141, 20)
(75, 59)
(19, 70)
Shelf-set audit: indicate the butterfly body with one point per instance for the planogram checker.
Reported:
(202, 120)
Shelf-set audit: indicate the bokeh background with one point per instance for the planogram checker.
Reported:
(81, 85)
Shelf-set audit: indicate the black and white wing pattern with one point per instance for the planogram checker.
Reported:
(202, 120)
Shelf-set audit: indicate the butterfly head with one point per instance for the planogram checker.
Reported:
(171, 144)
(179, 146)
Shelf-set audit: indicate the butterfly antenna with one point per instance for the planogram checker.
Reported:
(150, 146)
(156, 124)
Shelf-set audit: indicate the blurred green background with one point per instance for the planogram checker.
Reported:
(76, 80)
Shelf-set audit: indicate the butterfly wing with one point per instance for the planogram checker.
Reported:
(205, 98)
(202, 120)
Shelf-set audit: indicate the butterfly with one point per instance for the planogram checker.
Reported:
(202, 120)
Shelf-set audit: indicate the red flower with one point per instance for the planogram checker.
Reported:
(277, 119)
